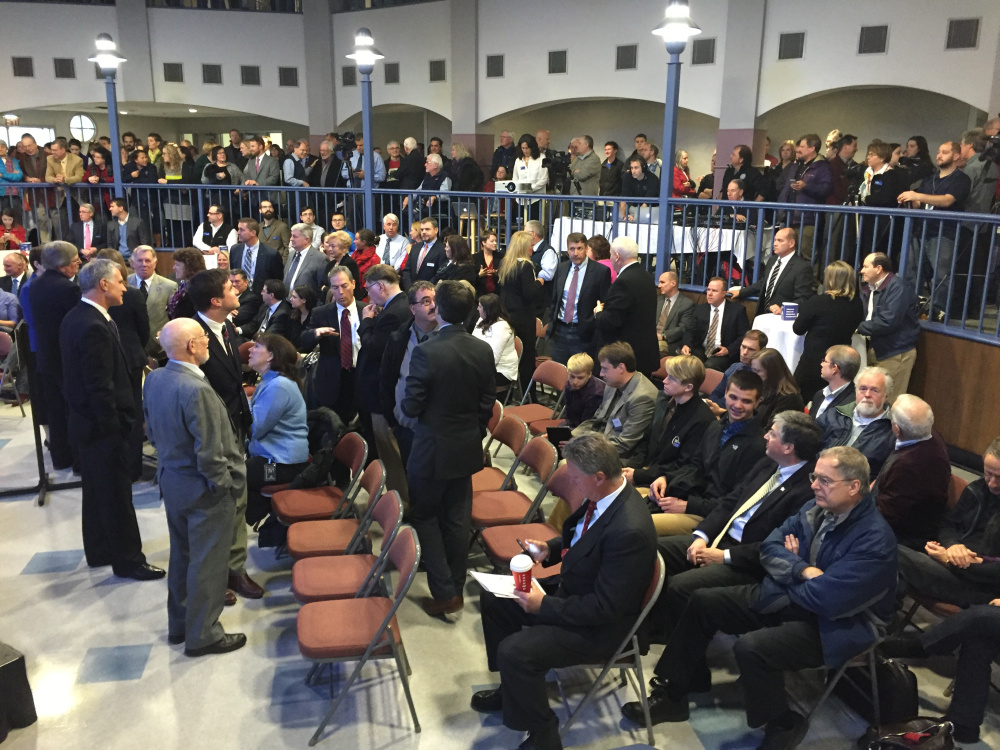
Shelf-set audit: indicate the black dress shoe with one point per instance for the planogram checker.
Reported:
(230, 598)
(661, 708)
(903, 647)
(785, 738)
(175, 639)
(487, 701)
(144, 572)
(544, 739)
(228, 642)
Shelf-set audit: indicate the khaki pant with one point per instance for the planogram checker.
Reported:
(899, 367)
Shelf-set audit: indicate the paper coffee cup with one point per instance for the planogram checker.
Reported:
(520, 566)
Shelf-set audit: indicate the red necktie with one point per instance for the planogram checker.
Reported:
(86, 234)
(346, 345)
(258, 164)
(570, 309)
(588, 516)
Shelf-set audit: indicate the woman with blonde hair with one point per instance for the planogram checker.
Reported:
(826, 320)
(174, 169)
(519, 289)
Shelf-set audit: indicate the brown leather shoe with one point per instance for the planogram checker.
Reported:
(245, 586)
(435, 607)
(230, 597)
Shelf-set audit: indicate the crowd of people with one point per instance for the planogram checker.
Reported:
(786, 503)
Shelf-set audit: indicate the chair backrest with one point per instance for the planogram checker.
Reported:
(518, 347)
(373, 479)
(495, 419)
(245, 348)
(559, 485)
(405, 556)
(352, 451)
(540, 328)
(512, 432)
(552, 374)
(659, 575)
(541, 456)
(712, 379)
(388, 514)
(956, 486)
(6, 343)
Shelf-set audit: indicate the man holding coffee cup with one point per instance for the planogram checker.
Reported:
(607, 550)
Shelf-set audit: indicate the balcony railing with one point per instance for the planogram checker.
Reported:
(259, 6)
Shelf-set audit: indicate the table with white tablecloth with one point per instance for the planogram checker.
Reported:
(780, 336)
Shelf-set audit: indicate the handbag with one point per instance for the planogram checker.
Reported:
(919, 732)
(897, 691)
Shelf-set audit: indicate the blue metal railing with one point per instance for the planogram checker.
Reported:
(951, 258)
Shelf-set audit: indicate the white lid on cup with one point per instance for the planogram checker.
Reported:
(520, 564)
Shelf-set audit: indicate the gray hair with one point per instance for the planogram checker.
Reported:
(390, 217)
(329, 145)
(847, 360)
(302, 228)
(97, 270)
(88, 207)
(913, 417)
(873, 370)
(410, 143)
(536, 227)
(625, 247)
(461, 150)
(851, 463)
(391, 143)
(58, 254)
(591, 452)
(435, 159)
(976, 138)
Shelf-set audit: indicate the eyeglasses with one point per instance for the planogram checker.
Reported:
(825, 481)
(199, 338)
(426, 302)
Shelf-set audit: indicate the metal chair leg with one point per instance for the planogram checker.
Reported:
(875, 697)
(403, 674)
(336, 703)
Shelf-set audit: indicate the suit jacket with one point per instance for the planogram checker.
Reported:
(132, 320)
(334, 174)
(136, 233)
(72, 174)
(595, 287)
(626, 422)
(198, 453)
(312, 272)
(776, 506)
(269, 174)
(96, 382)
(673, 443)
(411, 170)
(276, 235)
(678, 319)
(734, 325)
(452, 412)
(50, 296)
(433, 261)
(225, 374)
(279, 323)
(605, 574)
(159, 292)
(912, 490)
(6, 283)
(98, 235)
(250, 303)
(374, 334)
(795, 284)
(268, 265)
(328, 369)
(629, 315)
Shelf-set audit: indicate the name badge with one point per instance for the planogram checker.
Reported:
(676, 442)
(616, 424)
(430, 265)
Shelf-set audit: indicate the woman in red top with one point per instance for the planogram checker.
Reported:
(98, 171)
(684, 186)
(11, 231)
(366, 256)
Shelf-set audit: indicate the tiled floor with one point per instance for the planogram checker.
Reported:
(104, 676)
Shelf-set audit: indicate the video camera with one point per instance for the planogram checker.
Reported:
(558, 166)
(992, 150)
(346, 145)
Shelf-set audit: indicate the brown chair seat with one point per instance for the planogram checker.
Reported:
(317, 538)
(530, 412)
(499, 508)
(317, 579)
(343, 627)
(501, 544)
(540, 426)
(488, 479)
(540, 571)
(269, 490)
(315, 504)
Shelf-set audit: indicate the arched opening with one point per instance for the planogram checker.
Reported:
(394, 122)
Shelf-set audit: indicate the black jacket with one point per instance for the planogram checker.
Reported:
(629, 315)
(595, 287)
(225, 374)
(50, 296)
(132, 319)
(795, 284)
(974, 520)
(268, 264)
(279, 323)
(374, 334)
(611, 177)
(673, 444)
(433, 262)
(250, 303)
(98, 237)
(734, 325)
(411, 171)
(327, 380)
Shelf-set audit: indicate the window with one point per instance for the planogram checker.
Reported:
(211, 74)
(250, 75)
(349, 75)
(873, 40)
(288, 77)
(494, 66)
(963, 33)
(65, 67)
(791, 46)
(626, 57)
(438, 71)
(173, 72)
(82, 128)
(557, 62)
(24, 67)
(392, 72)
(703, 52)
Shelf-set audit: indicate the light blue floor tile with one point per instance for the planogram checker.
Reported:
(114, 664)
(61, 561)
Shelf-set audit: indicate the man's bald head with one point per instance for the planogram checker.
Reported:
(175, 336)
(912, 417)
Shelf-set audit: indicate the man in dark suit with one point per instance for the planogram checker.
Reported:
(335, 328)
(88, 235)
(15, 266)
(724, 549)
(673, 314)
(450, 391)
(274, 315)
(580, 285)
(838, 369)
(214, 298)
(427, 257)
(629, 312)
(202, 474)
(50, 297)
(786, 277)
(126, 231)
(249, 300)
(608, 552)
(387, 311)
(717, 328)
(261, 262)
(411, 167)
(101, 411)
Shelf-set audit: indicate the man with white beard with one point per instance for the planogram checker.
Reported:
(865, 424)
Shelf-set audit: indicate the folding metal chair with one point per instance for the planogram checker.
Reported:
(318, 503)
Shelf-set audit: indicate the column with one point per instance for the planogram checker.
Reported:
(321, 62)
(135, 77)
(464, 81)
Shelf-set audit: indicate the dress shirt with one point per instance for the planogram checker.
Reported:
(718, 331)
(267, 316)
(192, 368)
(782, 265)
(216, 328)
(288, 171)
(357, 162)
(904, 443)
(352, 313)
(393, 251)
(102, 310)
(549, 262)
(87, 230)
(871, 296)
(579, 285)
(602, 505)
(123, 237)
(828, 397)
(858, 424)
(10, 308)
(249, 260)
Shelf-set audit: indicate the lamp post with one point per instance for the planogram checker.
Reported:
(365, 55)
(676, 29)
(108, 60)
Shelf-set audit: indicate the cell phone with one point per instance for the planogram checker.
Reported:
(523, 548)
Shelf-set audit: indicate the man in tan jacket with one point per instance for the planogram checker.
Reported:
(62, 167)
